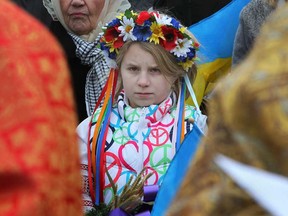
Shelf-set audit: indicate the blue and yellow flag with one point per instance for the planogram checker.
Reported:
(216, 35)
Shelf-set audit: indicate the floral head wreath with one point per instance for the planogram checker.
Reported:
(150, 27)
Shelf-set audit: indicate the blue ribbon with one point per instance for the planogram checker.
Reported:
(180, 116)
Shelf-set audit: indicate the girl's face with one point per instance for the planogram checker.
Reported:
(143, 82)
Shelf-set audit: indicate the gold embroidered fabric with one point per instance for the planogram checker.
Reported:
(39, 164)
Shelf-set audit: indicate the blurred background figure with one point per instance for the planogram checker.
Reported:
(248, 123)
(36, 9)
(252, 17)
(39, 163)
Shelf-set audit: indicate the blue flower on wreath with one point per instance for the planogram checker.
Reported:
(104, 47)
(142, 33)
(175, 23)
(112, 55)
(191, 54)
(114, 22)
(181, 59)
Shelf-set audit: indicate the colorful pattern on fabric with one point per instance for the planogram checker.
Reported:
(39, 168)
(137, 138)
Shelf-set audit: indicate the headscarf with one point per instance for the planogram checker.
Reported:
(110, 9)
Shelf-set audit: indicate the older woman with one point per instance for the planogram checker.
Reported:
(83, 18)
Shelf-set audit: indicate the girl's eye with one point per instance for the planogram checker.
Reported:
(155, 70)
(132, 68)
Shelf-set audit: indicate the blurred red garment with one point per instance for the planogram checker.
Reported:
(39, 164)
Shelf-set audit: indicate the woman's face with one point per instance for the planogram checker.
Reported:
(81, 16)
(143, 82)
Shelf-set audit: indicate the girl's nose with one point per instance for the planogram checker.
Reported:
(143, 79)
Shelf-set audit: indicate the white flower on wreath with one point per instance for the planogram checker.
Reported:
(163, 20)
(127, 29)
(182, 47)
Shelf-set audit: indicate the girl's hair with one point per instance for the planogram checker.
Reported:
(166, 61)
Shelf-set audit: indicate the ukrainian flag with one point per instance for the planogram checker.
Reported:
(216, 35)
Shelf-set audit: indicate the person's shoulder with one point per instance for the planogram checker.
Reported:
(188, 107)
(82, 128)
(254, 14)
(86, 121)
(96, 114)
(199, 118)
(256, 8)
(254, 4)
(23, 18)
(189, 111)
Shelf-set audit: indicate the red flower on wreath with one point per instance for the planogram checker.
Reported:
(118, 43)
(171, 35)
(196, 45)
(111, 34)
(143, 16)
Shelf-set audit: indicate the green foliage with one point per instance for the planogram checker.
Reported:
(101, 210)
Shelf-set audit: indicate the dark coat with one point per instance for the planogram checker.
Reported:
(77, 69)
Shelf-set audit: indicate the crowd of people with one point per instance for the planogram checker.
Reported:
(93, 100)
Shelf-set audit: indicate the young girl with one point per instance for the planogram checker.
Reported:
(141, 133)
